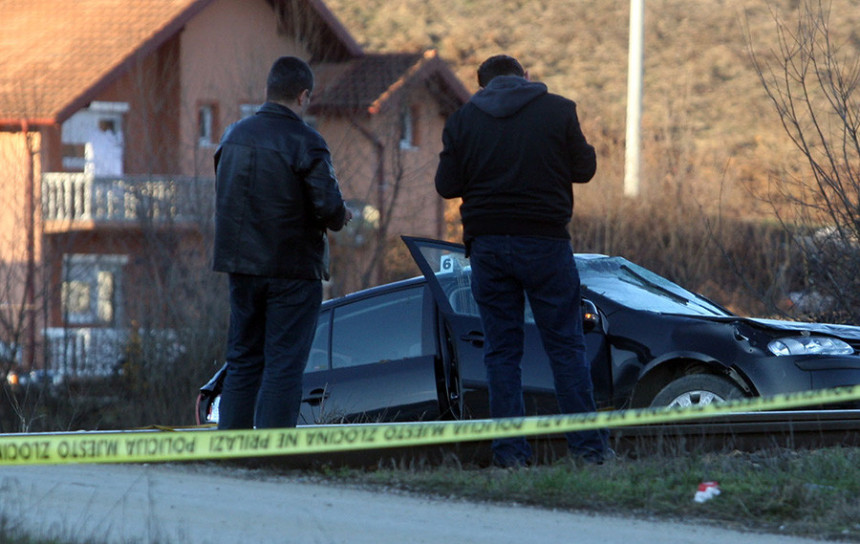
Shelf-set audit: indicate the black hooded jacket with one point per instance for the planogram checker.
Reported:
(276, 194)
(512, 153)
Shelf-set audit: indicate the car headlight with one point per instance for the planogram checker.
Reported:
(810, 345)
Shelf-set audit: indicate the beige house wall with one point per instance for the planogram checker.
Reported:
(12, 235)
(13, 184)
(15, 227)
(151, 90)
(420, 207)
(407, 173)
(226, 53)
(407, 195)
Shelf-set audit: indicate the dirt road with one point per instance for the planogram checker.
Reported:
(196, 504)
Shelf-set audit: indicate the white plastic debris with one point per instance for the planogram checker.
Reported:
(707, 491)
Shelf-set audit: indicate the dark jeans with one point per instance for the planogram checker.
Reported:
(272, 324)
(504, 268)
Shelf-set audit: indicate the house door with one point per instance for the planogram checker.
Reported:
(93, 139)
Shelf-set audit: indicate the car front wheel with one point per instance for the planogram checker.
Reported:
(697, 390)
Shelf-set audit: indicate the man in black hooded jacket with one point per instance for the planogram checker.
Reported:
(511, 153)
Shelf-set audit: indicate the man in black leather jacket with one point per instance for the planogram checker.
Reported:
(511, 153)
(276, 194)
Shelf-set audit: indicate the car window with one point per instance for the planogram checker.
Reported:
(377, 329)
(639, 288)
(451, 268)
(318, 358)
(454, 273)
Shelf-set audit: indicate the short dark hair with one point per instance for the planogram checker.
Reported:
(287, 79)
(499, 65)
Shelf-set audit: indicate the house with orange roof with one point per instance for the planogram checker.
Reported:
(110, 112)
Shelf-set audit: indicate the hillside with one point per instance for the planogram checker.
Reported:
(707, 122)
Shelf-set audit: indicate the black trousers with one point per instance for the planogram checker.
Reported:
(272, 324)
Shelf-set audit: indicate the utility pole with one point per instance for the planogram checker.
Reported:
(634, 98)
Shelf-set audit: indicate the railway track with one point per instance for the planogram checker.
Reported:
(745, 431)
(749, 431)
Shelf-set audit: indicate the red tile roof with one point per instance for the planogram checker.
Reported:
(369, 82)
(53, 53)
(56, 55)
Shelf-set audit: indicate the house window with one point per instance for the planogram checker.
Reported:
(91, 289)
(408, 128)
(206, 124)
(105, 296)
(318, 358)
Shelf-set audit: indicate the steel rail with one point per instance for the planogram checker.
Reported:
(748, 431)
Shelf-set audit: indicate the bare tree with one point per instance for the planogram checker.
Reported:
(812, 81)
(397, 196)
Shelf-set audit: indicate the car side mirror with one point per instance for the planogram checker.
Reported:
(590, 317)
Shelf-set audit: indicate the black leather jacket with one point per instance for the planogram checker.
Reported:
(276, 194)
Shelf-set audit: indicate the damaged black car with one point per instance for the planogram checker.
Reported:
(412, 350)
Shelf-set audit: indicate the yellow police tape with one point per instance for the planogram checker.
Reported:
(199, 444)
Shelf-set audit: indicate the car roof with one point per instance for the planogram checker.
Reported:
(372, 291)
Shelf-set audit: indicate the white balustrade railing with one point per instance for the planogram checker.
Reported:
(99, 352)
(77, 196)
(85, 352)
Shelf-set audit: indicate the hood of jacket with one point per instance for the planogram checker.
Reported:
(506, 95)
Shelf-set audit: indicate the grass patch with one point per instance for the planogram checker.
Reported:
(803, 493)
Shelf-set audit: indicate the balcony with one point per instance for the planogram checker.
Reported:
(101, 352)
(85, 353)
(80, 200)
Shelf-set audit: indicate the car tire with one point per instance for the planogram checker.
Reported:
(697, 390)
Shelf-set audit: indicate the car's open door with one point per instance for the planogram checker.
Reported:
(448, 274)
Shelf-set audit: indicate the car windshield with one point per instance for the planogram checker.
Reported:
(629, 284)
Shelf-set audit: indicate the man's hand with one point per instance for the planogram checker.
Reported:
(347, 217)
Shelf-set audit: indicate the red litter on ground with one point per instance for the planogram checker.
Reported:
(707, 491)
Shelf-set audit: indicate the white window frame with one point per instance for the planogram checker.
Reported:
(407, 127)
(206, 124)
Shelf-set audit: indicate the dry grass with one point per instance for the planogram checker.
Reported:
(803, 493)
(708, 127)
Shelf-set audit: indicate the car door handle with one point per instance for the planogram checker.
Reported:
(316, 397)
(475, 338)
